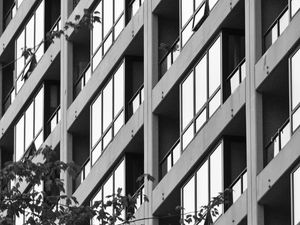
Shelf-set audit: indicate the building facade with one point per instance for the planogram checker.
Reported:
(201, 94)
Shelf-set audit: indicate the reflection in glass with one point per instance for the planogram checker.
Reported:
(295, 4)
(214, 66)
(187, 100)
(96, 120)
(19, 139)
(295, 70)
(107, 105)
(188, 193)
(296, 196)
(201, 83)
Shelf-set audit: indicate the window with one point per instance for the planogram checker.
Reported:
(206, 183)
(295, 92)
(30, 37)
(295, 5)
(29, 128)
(105, 33)
(107, 113)
(201, 93)
(110, 187)
(193, 14)
(296, 196)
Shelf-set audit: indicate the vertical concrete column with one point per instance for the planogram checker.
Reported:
(151, 163)
(255, 215)
(66, 94)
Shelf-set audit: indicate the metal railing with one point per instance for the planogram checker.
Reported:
(136, 100)
(170, 158)
(139, 196)
(82, 80)
(57, 25)
(169, 58)
(9, 15)
(278, 141)
(276, 28)
(54, 119)
(239, 185)
(237, 76)
(134, 6)
(82, 174)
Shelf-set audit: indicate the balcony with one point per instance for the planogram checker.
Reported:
(237, 76)
(239, 186)
(133, 7)
(82, 174)
(9, 15)
(136, 101)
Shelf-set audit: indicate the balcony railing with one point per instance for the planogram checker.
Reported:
(136, 100)
(239, 185)
(54, 119)
(134, 6)
(139, 196)
(82, 174)
(82, 80)
(237, 76)
(278, 141)
(170, 158)
(57, 25)
(10, 97)
(277, 28)
(169, 57)
(9, 15)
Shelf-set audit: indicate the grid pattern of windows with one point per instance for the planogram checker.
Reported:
(296, 196)
(193, 12)
(110, 187)
(29, 128)
(206, 183)
(30, 37)
(105, 33)
(107, 113)
(201, 93)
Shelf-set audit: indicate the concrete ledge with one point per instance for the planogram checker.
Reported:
(29, 87)
(278, 166)
(110, 155)
(191, 50)
(15, 23)
(105, 67)
(199, 145)
(236, 213)
(277, 51)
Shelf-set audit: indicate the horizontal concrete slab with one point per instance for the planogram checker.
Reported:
(191, 50)
(278, 166)
(277, 51)
(105, 67)
(199, 146)
(29, 87)
(110, 155)
(14, 24)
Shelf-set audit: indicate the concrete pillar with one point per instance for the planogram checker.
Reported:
(66, 94)
(151, 163)
(255, 214)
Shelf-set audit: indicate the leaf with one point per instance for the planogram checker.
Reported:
(146, 199)
(77, 17)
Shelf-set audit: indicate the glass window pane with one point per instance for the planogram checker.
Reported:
(119, 90)
(135, 7)
(40, 27)
(296, 196)
(169, 162)
(97, 30)
(176, 153)
(187, 100)
(199, 15)
(187, 33)
(120, 178)
(214, 66)
(201, 119)
(108, 190)
(283, 22)
(19, 139)
(96, 120)
(39, 112)
(30, 33)
(295, 6)
(244, 181)
(214, 103)
(201, 83)
(28, 126)
(236, 190)
(119, 123)
(39, 140)
(107, 138)
(188, 136)
(20, 46)
(19, 83)
(119, 26)
(107, 105)
(108, 42)
(186, 11)
(97, 197)
(234, 81)
(243, 71)
(276, 146)
(212, 3)
(295, 70)
(188, 197)
(216, 176)
(97, 58)
(198, 3)
(119, 8)
(108, 16)
(285, 135)
(202, 186)
(296, 119)
(96, 153)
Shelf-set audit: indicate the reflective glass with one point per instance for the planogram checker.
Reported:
(187, 136)
(96, 152)
(119, 122)
(202, 186)
(119, 90)
(201, 119)
(295, 4)
(108, 190)
(214, 65)
(38, 111)
(296, 196)
(30, 33)
(214, 103)
(201, 83)
(186, 11)
(283, 22)
(187, 33)
(187, 100)
(96, 120)
(120, 178)
(296, 119)
(216, 176)
(188, 193)
(107, 105)
(295, 69)
(97, 29)
(19, 139)
(20, 46)
(107, 138)
(119, 8)
(28, 126)
(108, 16)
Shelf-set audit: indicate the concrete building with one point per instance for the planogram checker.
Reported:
(202, 95)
